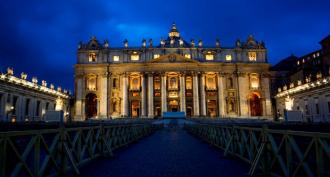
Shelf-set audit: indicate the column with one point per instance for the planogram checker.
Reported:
(164, 94)
(103, 86)
(150, 96)
(221, 97)
(182, 93)
(202, 89)
(124, 105)
(266, 89)
(79, 99)
(196, 95)
(243, 93)
(143, 96)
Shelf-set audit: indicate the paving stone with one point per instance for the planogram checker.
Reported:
(167, 153)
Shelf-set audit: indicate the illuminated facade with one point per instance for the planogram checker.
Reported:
(303, 84)
(23, 100)
(172, 76)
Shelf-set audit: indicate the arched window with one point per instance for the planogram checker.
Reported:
(254, 81)
(173, 83)
(135, 83)
(210, 83)
(91, 83)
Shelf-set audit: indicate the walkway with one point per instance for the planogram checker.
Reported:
(167, 153)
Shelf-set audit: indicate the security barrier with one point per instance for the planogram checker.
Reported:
(271, 152)
(55, 152)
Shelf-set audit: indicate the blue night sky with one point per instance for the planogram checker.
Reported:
(41, 37)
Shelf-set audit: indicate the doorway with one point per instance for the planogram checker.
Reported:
(173, 106)
(91, 105)
(255, 104)
(135, 108)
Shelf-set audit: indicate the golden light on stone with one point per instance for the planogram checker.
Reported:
(172, 76)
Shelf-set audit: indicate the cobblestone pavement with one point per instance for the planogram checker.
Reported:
(167, 153)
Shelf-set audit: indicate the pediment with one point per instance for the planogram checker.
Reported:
(172, 58)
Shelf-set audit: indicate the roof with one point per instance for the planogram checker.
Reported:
(285, 64)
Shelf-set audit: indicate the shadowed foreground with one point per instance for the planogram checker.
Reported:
(167, 153)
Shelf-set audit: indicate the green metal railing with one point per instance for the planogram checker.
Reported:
(54, 152)
(271, 152)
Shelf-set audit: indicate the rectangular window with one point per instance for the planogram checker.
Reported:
(92, 57)
(156, 56)
(157, 83)
(187, 55)
(228, 58)
(135, 57)
(115, 58)
(252, 56)
(209, 56)
(189, 83)
(317, 108)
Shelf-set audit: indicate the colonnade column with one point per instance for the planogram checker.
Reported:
(203, 102)
(182, 93)
(124, 105)
(143, 96)
(79, 98)
(164, 94)
(196, 95)
(221, 102)
(150, 96)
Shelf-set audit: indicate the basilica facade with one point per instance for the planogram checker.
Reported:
(172, 76)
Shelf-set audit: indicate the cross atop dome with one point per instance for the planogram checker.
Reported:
(174, 32)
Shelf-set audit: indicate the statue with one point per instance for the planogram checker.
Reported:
(150, 42)
(126, 43)
(238, 43)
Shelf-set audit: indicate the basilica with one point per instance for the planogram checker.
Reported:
(173, 75)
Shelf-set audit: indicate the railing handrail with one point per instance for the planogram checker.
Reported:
(266, 148)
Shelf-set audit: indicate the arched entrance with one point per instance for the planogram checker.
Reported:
(255, 104)
(174, 106)
(91, 105)
(135, 108)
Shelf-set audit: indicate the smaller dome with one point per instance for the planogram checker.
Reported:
(174, 32)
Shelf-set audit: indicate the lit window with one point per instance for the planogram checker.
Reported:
(187, 55)
(209, 56)
(135, 57)
(92, 57)
(210, 83)
(156, 55)
(157, 83)
(173, 83)
(91, 83)
(254, 81)
(116, 58)
(228, 58)
(135, 83)
(298, 62)
(188, 83)
(252, 56)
